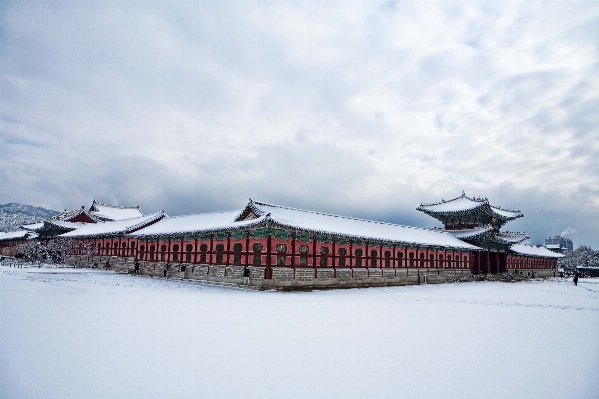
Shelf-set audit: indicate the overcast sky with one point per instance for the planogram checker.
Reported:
(360, 108)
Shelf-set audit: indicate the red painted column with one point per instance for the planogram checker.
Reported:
(497, 257)
(247, 250)
(228, 251)
(211, 248)
(314, 252)
(333, 258)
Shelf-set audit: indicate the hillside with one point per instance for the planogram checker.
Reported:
(13, 215)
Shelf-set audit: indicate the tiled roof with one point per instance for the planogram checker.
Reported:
(32, 226)
(114, 227)
(113, 212)
(68, 215)
(534, 250)
(203, 222)
(506, 213)
(322, 223)
(510, 238)
(459, 204)
(15, 235)
(464, 203)
(467, 233)
(68, 226)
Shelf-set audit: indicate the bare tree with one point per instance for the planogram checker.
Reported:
(54, 250)
(581, 256)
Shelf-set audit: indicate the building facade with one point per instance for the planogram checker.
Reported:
(559, 244)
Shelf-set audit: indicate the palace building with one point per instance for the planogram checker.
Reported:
(287, 247)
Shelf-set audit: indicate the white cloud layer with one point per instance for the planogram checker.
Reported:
(362, 108)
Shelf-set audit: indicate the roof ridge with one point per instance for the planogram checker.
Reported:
(206, 213)
(443, 201)
(114, 206)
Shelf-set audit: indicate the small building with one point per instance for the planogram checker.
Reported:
(68, 221)
(559, 244)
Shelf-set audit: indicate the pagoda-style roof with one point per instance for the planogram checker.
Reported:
(466, 212)
(113, 212)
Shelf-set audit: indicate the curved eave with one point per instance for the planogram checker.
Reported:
(513, 214)
(509, 240)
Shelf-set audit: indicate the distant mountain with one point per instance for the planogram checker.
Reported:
(13, 215)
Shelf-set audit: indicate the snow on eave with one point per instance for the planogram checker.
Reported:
(446, 241)
(14, 235)
(534, 250)
(505, 213)
(115, 212)
(32, 226)
(459, 245)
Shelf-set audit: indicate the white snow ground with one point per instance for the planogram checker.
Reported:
(68, 333)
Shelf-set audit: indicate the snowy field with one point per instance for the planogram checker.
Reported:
(68, 333)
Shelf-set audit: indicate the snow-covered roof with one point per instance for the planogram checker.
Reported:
(506, 213)
(464, 203)
(14, 235)
(510, 238)
(203, 222)
(114, 227)
(113, 212)
(69, 215)
(320, 223)
(32, 226)
(534, 250)
(467, 233)
(459, 204)
(65, 225)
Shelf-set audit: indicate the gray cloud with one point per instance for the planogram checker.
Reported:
(363, 108)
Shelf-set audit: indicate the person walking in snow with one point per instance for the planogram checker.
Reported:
(246, 276)
(136, 265)
(183, 267)
(575, 279)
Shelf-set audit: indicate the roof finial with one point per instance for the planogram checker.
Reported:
(463, 193)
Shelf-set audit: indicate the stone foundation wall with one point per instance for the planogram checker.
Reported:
(295, 277)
